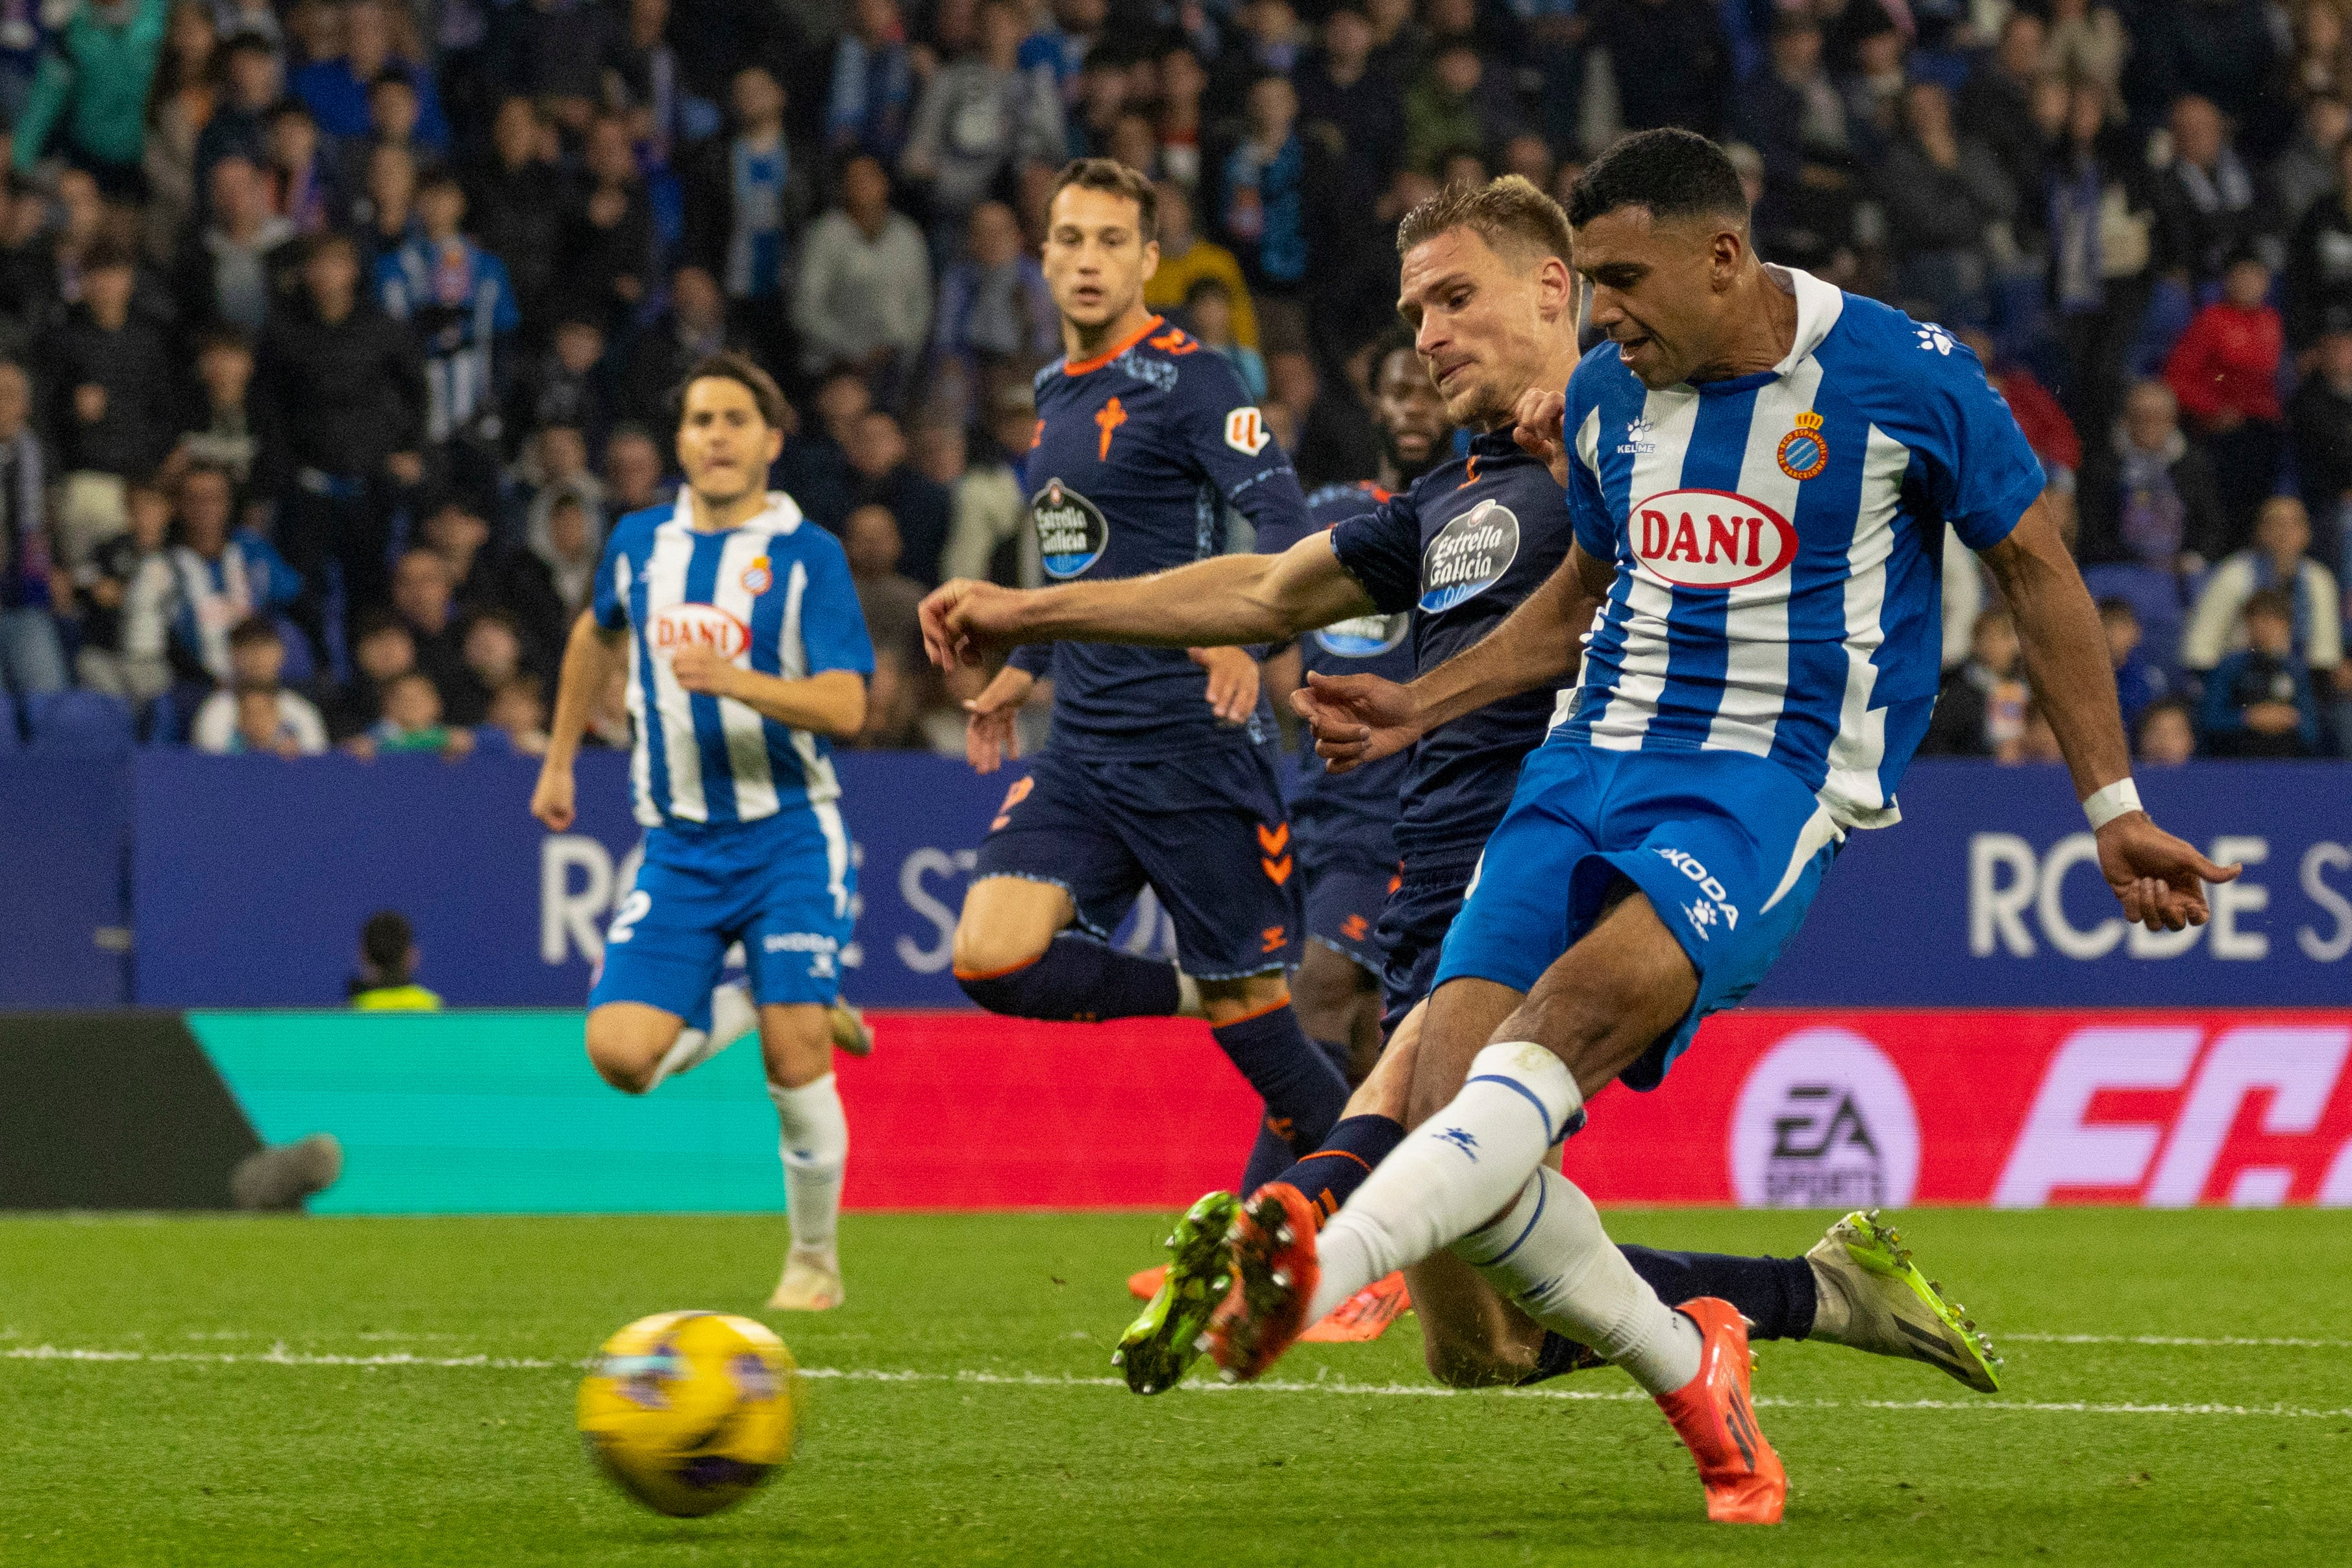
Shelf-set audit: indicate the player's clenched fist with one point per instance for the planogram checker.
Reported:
(702, 670)
(963, 618)
(551, 801)
(1539, 418)
(1357, 718)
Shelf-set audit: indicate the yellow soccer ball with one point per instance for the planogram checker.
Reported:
(689, 1412)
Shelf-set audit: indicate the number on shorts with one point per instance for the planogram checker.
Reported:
(633, 909)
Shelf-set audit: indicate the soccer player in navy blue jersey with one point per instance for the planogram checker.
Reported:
(1162, 769)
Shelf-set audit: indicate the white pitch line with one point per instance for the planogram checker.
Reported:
(2190, 1342)
(280, 1357)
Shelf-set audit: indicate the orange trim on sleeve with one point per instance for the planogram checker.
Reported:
(1083, 367)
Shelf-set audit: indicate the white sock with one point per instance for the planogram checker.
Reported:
(1452, 1174)
(732, 1016)
(1550, 1255)
(816, 1147)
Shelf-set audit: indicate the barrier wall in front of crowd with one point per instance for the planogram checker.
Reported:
(177, 880)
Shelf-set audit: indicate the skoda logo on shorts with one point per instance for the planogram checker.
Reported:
(1468, 556)
(1071, 532)
(1364, 636)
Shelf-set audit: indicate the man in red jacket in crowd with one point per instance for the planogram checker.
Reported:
(2225, 373)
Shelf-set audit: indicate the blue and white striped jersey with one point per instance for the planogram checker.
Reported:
(1777, 539)
(774, 596)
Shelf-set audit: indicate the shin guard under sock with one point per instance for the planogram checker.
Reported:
(1078, 980)
(1304, 1093)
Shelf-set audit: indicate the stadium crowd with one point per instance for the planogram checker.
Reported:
(335, 333)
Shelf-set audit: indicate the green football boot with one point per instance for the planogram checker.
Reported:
(1883, 1304)
(1169, 1336)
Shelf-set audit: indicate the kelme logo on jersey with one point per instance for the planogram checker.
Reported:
(1468, 556)
(1071, 532)
(677, 626)
(1711, 539)
(1364, 636)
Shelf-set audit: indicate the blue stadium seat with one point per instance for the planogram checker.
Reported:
(300, 665)
(78, 721)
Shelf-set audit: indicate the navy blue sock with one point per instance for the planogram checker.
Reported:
(1331, 1174)
(1267, 1159)
(1304, 1093)
(1776, 1294)
(1078, 979)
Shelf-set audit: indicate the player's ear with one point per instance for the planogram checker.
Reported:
(775, 444)
(1151, 258)
(1555, 290)
(1726, 251)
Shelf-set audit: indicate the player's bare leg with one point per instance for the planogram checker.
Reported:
(1007, 959)
(627, 1042)
(796, 1042)
(1339, 1000)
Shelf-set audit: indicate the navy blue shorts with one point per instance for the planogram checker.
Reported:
(783, 886)
(1343, 900)
(1728, 847)
(1208, 833)
(1422, 904)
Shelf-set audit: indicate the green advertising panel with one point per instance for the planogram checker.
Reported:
(496, 1112)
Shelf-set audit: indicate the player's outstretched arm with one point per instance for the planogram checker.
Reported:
(1225, 601)
(590, 654)
(830, 702)
(2158, 878)
(1362, 718)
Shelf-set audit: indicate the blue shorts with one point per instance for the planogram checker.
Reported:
(1206, 831)
(1729, 847)
(1420, 910)
(781, 885)
(1343, 900)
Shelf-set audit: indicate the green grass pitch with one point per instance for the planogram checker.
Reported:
(252, 1407)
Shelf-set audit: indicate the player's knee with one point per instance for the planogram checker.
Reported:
(621, 1059)
(984, 950)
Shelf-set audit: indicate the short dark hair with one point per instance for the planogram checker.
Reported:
(1507, 211)
(731, 365)
(441, 178)
(253, 630)
(2274, 600)
(289, 108)
(1115, 177)
(246, 41)
(375, 624)
(385, 941)
(2115, 608)
(1674, 173)
(1393, 340)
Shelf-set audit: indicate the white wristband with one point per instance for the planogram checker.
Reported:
(2106, 805)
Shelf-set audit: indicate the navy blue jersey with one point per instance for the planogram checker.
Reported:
(1139, 453)
(1459, 550)
(1349, 817)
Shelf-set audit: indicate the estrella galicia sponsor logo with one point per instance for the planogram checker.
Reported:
(1468, 556)
(1071, 533)
(1826, 1121)
(1364, 636)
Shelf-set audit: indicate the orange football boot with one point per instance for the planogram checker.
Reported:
(1273, 1243)
(1715, 1419)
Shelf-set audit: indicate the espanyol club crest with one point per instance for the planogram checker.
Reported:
(1071, 533)
(1468, 556)
(1804, 453)
(1364, 636)
(757, 578)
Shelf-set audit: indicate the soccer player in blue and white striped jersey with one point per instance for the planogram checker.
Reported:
(738, 627)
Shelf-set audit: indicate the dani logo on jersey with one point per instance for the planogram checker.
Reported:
(1363, 636)
(1071, 532)
(677, 626)
(1710, 539)
(1468, 556)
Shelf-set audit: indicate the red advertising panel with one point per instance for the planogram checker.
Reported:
(1770, 1108)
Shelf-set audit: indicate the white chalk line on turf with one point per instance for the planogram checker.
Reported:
(280, 1355)
(2177, 1342)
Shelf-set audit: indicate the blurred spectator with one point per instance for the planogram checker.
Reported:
(997, 322)
(2037, 743)
(456, 299)
(382, 216)
(519, 716)
(634, 472)
(608, 240)
(388, 959)
(1185, 259)
(815, 466)
(231, 269)
(335, 90)
(339, 413)
(486, 576)
(2140, 680)
(251, 82)
(519, 203)
(90, 94)
(179, 102)
(424, 596)
(221, 432)
(2086, 46)
(1067, 32)
(2204, 197)
(310, 193)
(1793, 115)
(2166, 735)
(111, 391)
(870, 539)
(2047, 429)
(693, 326)
(1942, 193)
(1996, 108)
(132, 594)
(382, 652)
(567, 538)
(1671, 62)
(2319, 292)
(979, 120)
(412, 722)
(225, 576)
(1261, 192)
(1182, 83)
(2320, 420)
(873, 87)
(2303, 175)
(2224, 49)
(991, 536)
(492, 646)
(557, 51)
(2225, 372)
(1342, 98)
(1980, 706)
(922, 509)
(32, 659)
(1458, 105)
(1209, 314)
(746, 198)
(2101, 222)
(863, 297)
(288, 725)
(569, 382)
(2276, 560)
(2258, 701)
(2147, 496)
